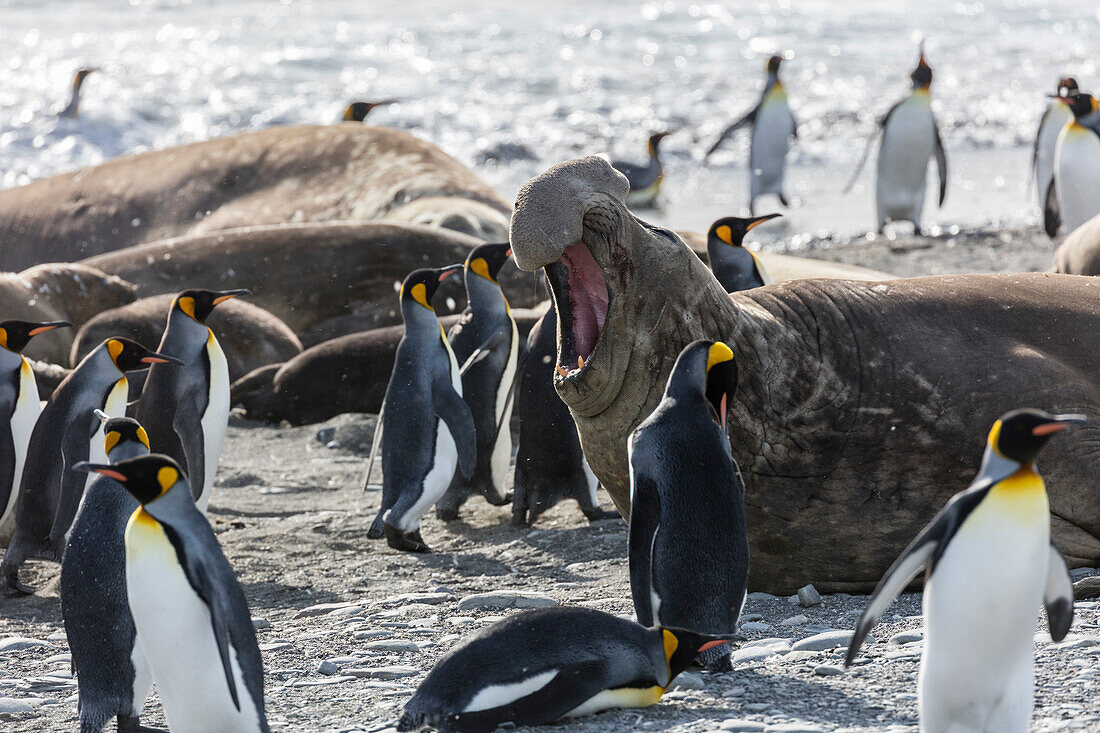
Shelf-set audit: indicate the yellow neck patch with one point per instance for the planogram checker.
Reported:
(142, 518)
(717, 354)
(110, 440)
(419, 293)
(187, 305)
(671, 643)
(725, 234)
(143, 437)
(115, 348)
(994, 438)
(4, 337)
(166, 477)
(481, 267)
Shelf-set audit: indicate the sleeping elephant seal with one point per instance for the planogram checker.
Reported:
(310, 274)
(273, 176)
(250, 336)
(60, 292)
(346, 374)
(863, 406)
(1079, 254)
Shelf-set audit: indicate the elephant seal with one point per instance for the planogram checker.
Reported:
(60, 292)
(322, 279)
(277, 175)
(859, 401)
(346, 374)
(1079, 254)
(250, 336)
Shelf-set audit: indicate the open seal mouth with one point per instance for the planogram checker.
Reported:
(583, 299)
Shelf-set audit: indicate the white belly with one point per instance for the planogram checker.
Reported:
(1077, 174)
(114, 406)
(1054, 120)
(25, 415)
(771, 134)
(502, 448)
(174, 627)
(907, 144)
(435, 483)
(980, 610)
(215, 419)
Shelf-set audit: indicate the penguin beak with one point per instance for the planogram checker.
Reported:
(107, 471)
(229, 294)
(760, 220)
(48, 327)
(508, 253)
(712, 644)
(160, 359)
(722, 412)
(1060, 423)
(447, 271)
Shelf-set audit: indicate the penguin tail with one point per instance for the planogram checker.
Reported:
(377, 531)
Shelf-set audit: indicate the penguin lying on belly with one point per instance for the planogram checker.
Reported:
(989, 565)
(688, 546)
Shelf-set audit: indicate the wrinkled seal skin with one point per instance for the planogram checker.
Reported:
(1079, 254)
(309, 275)
(299, 173)
(346, 374)
(863, 406)
(60, 292)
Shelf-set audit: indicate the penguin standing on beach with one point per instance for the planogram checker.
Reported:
(486, 325)
(1056, 117)
(427, 428)
(112, 674)
(910, 138)
(19, 408)
(1076, 186)
(773, 125)
(549, 463)
(688, 547)
(66, 432)
(538, 666)
(191, 615)
(72, 109)
(736, 267)
(989, 565)
(645, 180)
(186, 408)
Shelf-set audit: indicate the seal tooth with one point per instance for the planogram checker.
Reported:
(562, 371)
(580, 362)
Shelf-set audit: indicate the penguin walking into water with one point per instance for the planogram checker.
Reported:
(191, 615)
(187, 408)
(19, 408)
(486, 325)
(736, 267)
(989, 565)
(1056, 117)
(72, 109)
(773, 125)
(1076, 188)
(645, 180)
(358, 111)
(539, 666)
(910, 138)
(427, 428)
(688, 547)
(549, 463)
(66, 432)
(112, 674)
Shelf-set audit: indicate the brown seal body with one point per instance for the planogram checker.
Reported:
(863, 406)
(1079, 254)
(277, 175)
(346, 374)
(250, 336)
(322, 280)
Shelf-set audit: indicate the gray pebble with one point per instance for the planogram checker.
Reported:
(793, 728)
(1087, 588)
(498, 600)
(689, 681)
(744, 726)
(392, 672)
(325, 435)
(826, 640)
(808, 596)
(734, 692)
(322, 681)
(328, 668)
(394, 645)
(274, 646)
(906, 637)
(259, 623)
(19, 643)
(373, 634)
(322, 609)
(755, 626)
(11, 706)
(751, 616)
(761, 597)
(828, 670)
(794, 620)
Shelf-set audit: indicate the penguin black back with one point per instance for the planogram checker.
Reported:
(735, 267)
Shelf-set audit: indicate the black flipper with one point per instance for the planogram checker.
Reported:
(867, 150)
(1052, 215)
(453, 411)
(922, 554)
(645, 512)
(1058, 595)
(497, 339)
(188, 416)
(748, 119)
(941, 161)
(74, 448)
(9, 394)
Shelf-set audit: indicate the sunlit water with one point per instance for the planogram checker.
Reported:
(558, 79)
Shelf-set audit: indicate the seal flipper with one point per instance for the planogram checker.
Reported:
(1058, 595)
(454, 411)
(188, 417)
(921, 554)
(74, 449)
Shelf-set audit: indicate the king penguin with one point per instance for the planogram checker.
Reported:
(688, 547)
(736, 267)
(358, 111)
(486, 326)
(72, 109)
(989, 565)
(910, 138)
(773, 126)
(66, 432)
(427, 428)
(549, 463)
(1077, 164)
(535, 667)
(1056, 116)
(645, 180)
(186, 408)
(191, 615)
(19, 408)
(112, 675)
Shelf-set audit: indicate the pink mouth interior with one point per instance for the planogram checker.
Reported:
(588, 297)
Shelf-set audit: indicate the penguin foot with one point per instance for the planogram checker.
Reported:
(376, 532)
(406, 541)
(595, 514)
(13, 588)
(446, 513)
(499, 499)
(128, 724)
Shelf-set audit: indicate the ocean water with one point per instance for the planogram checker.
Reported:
(512, 87)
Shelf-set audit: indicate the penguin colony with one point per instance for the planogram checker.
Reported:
(149, 598)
